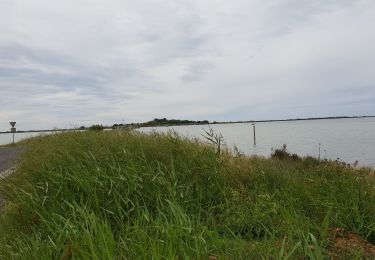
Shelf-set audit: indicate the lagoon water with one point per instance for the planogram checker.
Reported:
(8, 138)
(346, 139)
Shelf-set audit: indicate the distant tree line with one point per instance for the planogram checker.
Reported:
(161, 122)
(166, 122)
(96, 127)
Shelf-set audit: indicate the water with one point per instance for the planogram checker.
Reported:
(346, 139)
(8, 138)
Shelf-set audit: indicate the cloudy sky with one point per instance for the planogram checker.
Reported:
(78, 62)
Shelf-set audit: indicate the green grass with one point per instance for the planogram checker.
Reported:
(122, 195)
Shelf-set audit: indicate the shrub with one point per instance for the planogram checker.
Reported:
(283, 154)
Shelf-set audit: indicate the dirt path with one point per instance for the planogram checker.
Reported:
(8, 158)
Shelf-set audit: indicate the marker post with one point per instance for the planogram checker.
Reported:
(255, 140)
(13, 129)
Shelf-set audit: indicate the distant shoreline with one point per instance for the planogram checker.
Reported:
(209, 123)
(266, 121)
(297, 119)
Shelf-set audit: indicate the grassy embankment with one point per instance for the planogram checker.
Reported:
(118, 195)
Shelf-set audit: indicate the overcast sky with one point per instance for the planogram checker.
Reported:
(79, 62)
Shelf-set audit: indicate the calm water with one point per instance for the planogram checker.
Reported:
(8, 138)
(346, 139)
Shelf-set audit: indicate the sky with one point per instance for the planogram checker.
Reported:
(67, 63)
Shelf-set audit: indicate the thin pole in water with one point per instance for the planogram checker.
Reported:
(319, 153)
(255, 141)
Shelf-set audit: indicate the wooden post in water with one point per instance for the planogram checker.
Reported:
(255, 140)
(319, 153)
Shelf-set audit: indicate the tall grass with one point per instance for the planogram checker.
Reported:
(122, 195)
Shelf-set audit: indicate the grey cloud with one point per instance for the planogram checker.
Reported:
(64, 62)
(196, 71)
(24, 69)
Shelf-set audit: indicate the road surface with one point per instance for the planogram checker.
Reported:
(8, 158)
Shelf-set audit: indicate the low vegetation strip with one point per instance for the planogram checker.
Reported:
(123, 195)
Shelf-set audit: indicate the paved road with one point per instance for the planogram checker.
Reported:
(8, 157)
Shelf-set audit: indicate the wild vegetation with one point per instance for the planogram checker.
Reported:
(123, 195)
